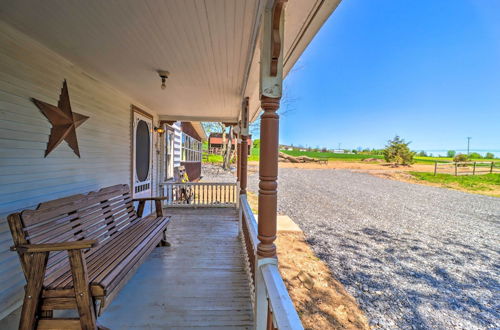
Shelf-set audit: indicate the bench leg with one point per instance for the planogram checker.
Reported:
(163, 241)
(82, 291)
(33, 290)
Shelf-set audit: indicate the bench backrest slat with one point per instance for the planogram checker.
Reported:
(73, 216)
(96, 215)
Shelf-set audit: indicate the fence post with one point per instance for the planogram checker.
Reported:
(491, 167)
(456, 170)
(474, 169)
(435, 167)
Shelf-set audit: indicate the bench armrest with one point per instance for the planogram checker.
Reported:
(73, 245)
(142, 203)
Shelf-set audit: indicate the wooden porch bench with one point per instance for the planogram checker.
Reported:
(78, 252)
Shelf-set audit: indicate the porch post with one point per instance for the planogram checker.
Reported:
(244, 147)
(268, 175)
(238, 153)
(271, 79)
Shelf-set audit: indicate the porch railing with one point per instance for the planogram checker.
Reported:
(273, 308)
(200, 194)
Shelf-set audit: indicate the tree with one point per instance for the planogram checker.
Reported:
(489, 155)
(422, 154)
(227, 150)
(212, 127)
(451, 153)
(475, 155)
(460, 158)
(397, 151)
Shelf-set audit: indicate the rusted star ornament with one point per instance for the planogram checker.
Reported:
(64, 121)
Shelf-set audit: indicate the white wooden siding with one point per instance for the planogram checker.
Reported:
(28, 69)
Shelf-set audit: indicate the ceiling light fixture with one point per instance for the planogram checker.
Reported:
(164, 76)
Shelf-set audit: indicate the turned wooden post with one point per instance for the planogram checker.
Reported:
(244, 147)
(270, 90)
(268, 175)
(243, 164)
(238, 154)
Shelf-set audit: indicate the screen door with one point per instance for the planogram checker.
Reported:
(142, 168)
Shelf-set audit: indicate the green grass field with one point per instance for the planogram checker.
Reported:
(330, 155)
(359, 157)
(254, 156)
(343, 157)
(485, 182)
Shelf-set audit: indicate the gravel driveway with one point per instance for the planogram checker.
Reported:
(413, 256)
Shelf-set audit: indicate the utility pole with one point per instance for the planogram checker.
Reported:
(468, 145)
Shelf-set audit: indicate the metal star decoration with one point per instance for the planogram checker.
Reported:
(64, 121)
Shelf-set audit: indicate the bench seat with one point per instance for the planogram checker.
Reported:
(107, 262)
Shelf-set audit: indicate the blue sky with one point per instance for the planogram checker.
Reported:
(428, 70)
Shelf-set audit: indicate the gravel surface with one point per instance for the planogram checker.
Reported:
(414, 256)
(215, 173)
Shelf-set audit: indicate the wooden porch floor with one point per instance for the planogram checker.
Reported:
(199, 281)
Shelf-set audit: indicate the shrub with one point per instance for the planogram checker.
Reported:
(475, 155)
(398, 152)
(460, 158)
(489, 155)
(451, 153)
(422, 154)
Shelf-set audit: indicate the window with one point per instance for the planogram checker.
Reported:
(169, 154)
(191, 149)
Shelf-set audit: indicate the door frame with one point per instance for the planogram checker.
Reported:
(134, 109)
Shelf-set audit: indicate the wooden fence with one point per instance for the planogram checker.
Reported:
(200, 194)
(467, 168)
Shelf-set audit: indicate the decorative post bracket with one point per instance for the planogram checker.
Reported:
(271, 56)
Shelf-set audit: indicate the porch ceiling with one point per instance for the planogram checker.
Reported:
(208, 46)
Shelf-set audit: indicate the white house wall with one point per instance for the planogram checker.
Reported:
(28, 69)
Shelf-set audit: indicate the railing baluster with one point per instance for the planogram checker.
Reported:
(196, 191)
(220, 194)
